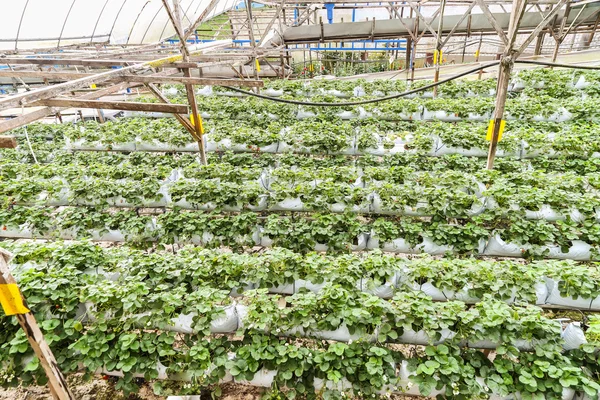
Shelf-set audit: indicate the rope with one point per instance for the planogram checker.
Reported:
(404, 94)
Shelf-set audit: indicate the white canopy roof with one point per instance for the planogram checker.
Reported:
(35, 24)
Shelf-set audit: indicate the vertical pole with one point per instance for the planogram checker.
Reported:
(408, 55)
(477, 54)
(251, 35)
(189, 88)
(414, 48)
(56, 380)
(504, 71)
(560, 34)
(589, 40)
(539, 43)
(438, 46)
(466, 38)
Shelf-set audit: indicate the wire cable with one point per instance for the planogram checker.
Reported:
(408, 93)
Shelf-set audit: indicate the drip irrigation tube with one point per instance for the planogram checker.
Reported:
(395, 96)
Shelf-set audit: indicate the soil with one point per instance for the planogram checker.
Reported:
(99, 389)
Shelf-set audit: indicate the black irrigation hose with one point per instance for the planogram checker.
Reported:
(558, 65)
(357, 103)
(395, 96)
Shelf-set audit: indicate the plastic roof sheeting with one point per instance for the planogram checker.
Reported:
(36, 24)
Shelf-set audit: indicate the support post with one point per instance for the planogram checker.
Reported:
(477, 54)
(56, 380)
(504, 71)
(561, 35)
(251, 36)
(438, 47)
(175, 17)
(589, 40)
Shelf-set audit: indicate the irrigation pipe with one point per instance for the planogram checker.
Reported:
(404, 94)
(357, 103)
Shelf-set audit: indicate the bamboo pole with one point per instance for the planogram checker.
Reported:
(504, 71)
(438, 47)
(56, 380)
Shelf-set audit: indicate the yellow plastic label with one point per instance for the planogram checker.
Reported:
(201, 124)
(10, 298)
(437, 57)
(477, 53)
(168, 60)
(93, 86)
(257, 65)
(490, 130)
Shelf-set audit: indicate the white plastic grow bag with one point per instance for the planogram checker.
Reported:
(156, 145)
(226, 323)
(341, 334)
(22, 232)
(555, 298)
(547, 213)
(573, 336)
(83, 144)
(385, 291)
(272, 92)
(262, 378)
(111, 235)
(205, 91)
(421, 337)
(292, 148)
(440, 115)
(401, 246)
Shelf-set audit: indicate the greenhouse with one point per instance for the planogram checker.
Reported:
(272, 199)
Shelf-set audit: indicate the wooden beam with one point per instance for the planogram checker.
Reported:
(134, 78)
(68, 61)
(183, 120)
(421, 17)
(465, 15)
(43, 75)
(114, 105)
(193, 81)
(56, 380)
(538, 30)
(52, 91)
(270, 25)
(8, 142)
(504, 71)
(175, 17)
(492, 20)
(43, 112)
(192, 28)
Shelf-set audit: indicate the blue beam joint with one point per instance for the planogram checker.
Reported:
(329, 7)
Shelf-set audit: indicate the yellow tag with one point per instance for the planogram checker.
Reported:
(257, 65)
(490, 130)
(477, 53)
(437, 57)
(10, 298)
(93, 86)
(201, 124)
(311, 68)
